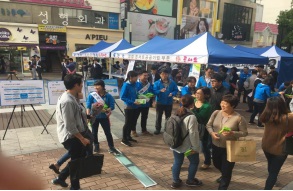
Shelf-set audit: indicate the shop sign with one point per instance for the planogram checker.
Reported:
(96, 37)
(19, 34)
(113, 21)
(52, 28)
(5, 34)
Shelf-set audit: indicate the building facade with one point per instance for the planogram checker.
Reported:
(56, 28)
(265, 34)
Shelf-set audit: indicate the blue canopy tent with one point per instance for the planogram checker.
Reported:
(92, 51)
(106, 53)
(284, 60)
(202, 49)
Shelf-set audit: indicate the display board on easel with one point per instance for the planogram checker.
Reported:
(22, 92)
(56, 89)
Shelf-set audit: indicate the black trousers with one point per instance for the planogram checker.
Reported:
(159, 114)
(39, 71)
(76, 150)
(144, 112)
(130, 122)
(275, 163)
(224, 166)
(258, 109)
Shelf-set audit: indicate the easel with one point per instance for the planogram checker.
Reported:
(22, 109)
(10, 75)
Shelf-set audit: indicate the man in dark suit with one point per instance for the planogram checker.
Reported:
(39, 67)
(97, 69)
(153, 77)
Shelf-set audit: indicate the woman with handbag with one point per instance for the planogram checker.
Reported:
(203, 111)
(278, 122)
(225, 124)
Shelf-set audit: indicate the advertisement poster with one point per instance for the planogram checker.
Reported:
(25, 61)
(20, 35)
(197, 17)
(111, 86)
(154, 7)
(56, 89)
(22, 92)
(145, 27)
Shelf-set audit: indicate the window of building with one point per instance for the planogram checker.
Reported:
(237, 22)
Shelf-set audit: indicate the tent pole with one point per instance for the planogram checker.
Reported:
(110, 67)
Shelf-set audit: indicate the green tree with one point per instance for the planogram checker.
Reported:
(285, 22)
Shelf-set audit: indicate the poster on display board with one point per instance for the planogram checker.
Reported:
(153, 7)
(197, 17)
(195, 71)
(111, 86)
(22, 92)
(146, 27)
(56, 89)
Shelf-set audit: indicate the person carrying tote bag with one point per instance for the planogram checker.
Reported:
(278, 122)
(226, 118)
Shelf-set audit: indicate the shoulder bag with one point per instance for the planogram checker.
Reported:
(288, 144)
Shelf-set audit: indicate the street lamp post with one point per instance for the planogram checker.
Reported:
(130, 33)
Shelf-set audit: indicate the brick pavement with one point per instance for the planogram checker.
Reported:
(155, 159)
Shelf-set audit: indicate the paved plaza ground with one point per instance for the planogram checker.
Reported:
(36, 151)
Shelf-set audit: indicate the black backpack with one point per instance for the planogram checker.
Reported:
(173, 130)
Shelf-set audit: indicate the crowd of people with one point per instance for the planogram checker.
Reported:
(212, 102)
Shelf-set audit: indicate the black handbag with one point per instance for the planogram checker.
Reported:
(288, 144)
(86, 167)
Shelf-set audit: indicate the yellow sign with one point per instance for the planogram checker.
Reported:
(52, 28)
(21, 48)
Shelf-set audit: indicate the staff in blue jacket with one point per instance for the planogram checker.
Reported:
(164, 90)
(143, 87)
(189, 89)
(205, 81)
(262, 93)
(128, 95)
(103, 118)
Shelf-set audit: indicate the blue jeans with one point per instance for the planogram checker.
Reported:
(206, 148)
(275, 163)
(105, 123)
(178, 161)
(63, 159)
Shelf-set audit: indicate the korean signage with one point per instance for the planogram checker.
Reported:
(52, 28)
(154, 7)
(197, 17)
(162, 58)
(67, 3)
(146, 27)
(59, 16)
(19, 35)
